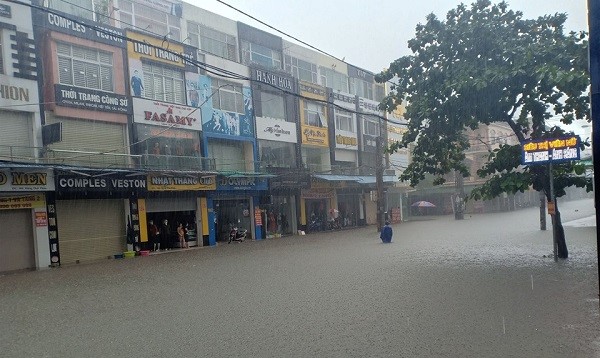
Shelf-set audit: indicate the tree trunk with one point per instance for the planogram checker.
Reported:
(561, 242)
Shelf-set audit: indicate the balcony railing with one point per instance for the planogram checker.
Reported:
(95, 159)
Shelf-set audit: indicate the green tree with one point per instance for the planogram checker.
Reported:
(484, 64)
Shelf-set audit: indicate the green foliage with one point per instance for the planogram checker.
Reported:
(485, 64)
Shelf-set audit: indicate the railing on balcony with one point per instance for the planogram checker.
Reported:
(174, 162)
(95, 159)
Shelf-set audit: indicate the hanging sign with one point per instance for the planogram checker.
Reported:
(554, 150)
(257, 216)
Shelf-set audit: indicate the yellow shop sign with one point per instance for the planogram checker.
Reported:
(315, 136)
(181, 183)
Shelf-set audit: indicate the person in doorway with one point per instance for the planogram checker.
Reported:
(181, 236)
(165, 235)
(386, 233)
(153, 236)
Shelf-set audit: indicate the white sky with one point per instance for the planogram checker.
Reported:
(373, 33)
(369, 34)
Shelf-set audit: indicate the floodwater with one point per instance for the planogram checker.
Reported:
(479, 287)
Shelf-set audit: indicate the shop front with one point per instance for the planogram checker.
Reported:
(315, 204)
(96, 213)
(84, 91)
(24, 219)
(173, 201)
(282, 201)
(235, 203)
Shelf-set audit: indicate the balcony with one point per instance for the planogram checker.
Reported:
(95, 159)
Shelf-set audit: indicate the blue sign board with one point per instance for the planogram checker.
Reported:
(553, 150)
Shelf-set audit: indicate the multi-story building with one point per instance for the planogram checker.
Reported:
(25, 184)
(155, 110)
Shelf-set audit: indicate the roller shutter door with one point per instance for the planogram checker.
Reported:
(16, 240)
(16, 131)
(90, 229)
(91, 136)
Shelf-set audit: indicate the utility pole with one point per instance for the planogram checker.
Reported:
(542, 211)
(594, 58)
(379, 181)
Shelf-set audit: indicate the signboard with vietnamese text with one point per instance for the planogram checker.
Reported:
(181, 183)
(26, 180)
(316, 136)
(166, 114)
(22, 202)
(77, 97)
(553, 150)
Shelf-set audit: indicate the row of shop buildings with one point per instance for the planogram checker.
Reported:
(108, 125)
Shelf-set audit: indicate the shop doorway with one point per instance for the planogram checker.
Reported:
(232, 213)
(174, 218)
(316, 214)
(280, 216)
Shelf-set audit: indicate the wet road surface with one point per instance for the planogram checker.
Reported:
(480, 287)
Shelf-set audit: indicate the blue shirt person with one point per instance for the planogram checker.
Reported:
(136, 84)
(386, 233)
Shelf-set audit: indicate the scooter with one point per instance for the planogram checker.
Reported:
(238, 235)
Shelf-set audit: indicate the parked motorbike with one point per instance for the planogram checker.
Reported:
(314, 225)
(236, 234)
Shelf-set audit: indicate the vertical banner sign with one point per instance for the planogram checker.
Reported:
(52, 229)
(142, 220)
(135, 219)
(257, 216)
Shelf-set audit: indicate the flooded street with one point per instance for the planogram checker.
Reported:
(480, 287)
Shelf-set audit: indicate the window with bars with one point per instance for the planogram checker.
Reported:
(344, 120)
(85, 67)
(145, 18)
(301, 69)
(212, 41)
(227, 96)
(314, 114)
(254, 53)
(163, 83)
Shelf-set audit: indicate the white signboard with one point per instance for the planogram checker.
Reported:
(26, 180)
(368, 106)
(166, 114)
(276, 130)
(19, 93)
(346, 139)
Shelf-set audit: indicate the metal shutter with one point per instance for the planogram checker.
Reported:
(16, 131)
(91, 136)
(90, 229)
(16, 240)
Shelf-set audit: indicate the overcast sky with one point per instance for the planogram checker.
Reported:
(373, 33)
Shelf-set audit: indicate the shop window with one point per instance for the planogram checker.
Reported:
(344, 120)
(371, 127)
(85, 67)
(361, 88)
(254, 53)
(163, 83)
(273, 105)
(212, 41)
(227, 96)
(302, 70)
(314, 114)
(276, 154)
(152, 20)
(335, 80)
(1, 54)
(82, 8)
(379, 92)
(228, 155)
